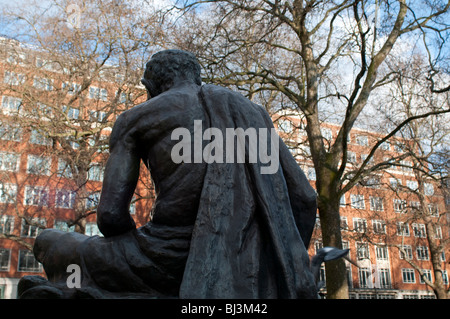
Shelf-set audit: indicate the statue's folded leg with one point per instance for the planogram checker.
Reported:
(134, 264)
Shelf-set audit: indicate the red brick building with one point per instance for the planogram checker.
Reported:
(387, 220)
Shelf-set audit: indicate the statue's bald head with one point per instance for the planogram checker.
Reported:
(165, 67)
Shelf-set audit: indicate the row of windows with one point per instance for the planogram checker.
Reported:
(14, 133)
(381, 251)
(377, 204)
(287, 126)
(409, 276)
(39, 196)
(13, 106)
(20, 58)
(46, 84)
(378, 295)
(405, 252)
(379, 227)
(26, 262)
(32, 227)
(380, 277)
(375, 182)
(41, 165)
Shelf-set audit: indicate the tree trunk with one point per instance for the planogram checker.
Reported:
(336, 271)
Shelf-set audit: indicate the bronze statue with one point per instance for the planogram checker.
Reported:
(219, 228)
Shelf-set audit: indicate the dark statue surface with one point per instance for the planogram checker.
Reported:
(218, 230)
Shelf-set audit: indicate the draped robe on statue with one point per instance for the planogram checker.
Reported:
(218, 230)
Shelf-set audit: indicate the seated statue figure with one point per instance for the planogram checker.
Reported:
(219, 228)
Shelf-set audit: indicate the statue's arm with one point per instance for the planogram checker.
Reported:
(120, 179)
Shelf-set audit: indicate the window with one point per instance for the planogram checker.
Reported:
(283, 125)
(402, 229)
(399, 205)
(428, 189)
(92, 200)
(344, 223)
(381, 252)
(414, 206)
(133, 207)
(311, 174)
(362, 251)
(97, 116)
(43, 84)
(45, 64)
(342, 201)
(92, 229)
(386, 296)
(36, 196)
(39, 165)
(64, 169)
(33, 227)
(371, 181)
(395, 183)
(445, 277)
(422, 253)
(8, 193)
(427, 274)
(351, 157)
(72, 113)
(9, 161)
(437, 232)
(433, 210)
(122, 97)
(362, 140)
(5, 255)
(16, 58)
(13, 78)
(71, 88)
(37, 138)
(10, 132)
(95, 173)
(27, 262)
(384, 277)
(349, 276)
(427, 297)
(65, 198)
(41, 111)
(317, 223)
(386, 146)
(376, 204)
(97, 93)
(406, 252)
(412, 185)
(419, 230)
(6, 224)
(364, 277)
(11, 105)
(357, 201)
(63, 226)
(359, 224)
(379, 226)
(408, 276)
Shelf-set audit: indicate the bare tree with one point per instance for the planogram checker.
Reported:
(325, 60)
(71, 69)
